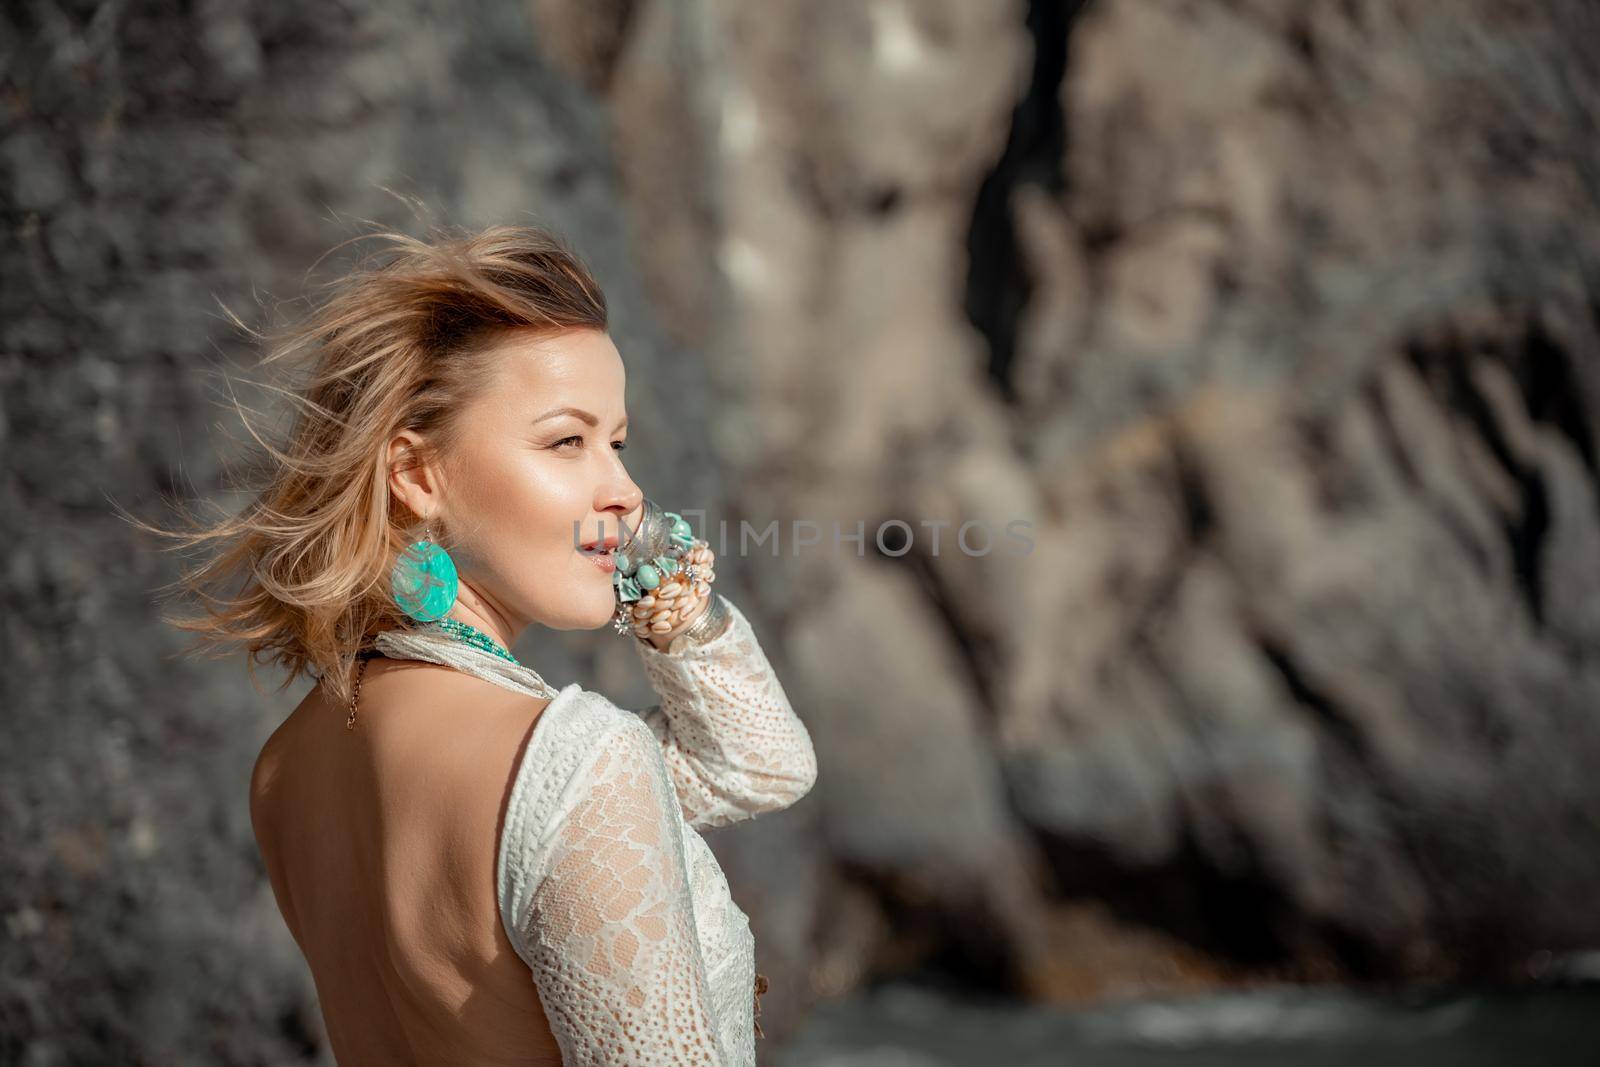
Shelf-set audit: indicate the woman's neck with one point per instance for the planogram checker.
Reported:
(475, 610)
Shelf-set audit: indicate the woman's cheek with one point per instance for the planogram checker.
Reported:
(548, 504)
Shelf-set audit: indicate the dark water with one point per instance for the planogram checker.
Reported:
(917, 1026)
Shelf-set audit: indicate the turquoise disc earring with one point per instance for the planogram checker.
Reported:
(424, 581)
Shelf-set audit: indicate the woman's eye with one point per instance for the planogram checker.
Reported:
(577, 439)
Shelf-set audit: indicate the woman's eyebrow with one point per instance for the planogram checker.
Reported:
(592, 420)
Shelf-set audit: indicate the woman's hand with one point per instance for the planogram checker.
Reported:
(663, 570)
(661, 641)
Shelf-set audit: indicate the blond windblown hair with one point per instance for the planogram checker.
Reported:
(299, 577)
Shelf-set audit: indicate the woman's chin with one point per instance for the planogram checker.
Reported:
(580, 609)
(604, 611)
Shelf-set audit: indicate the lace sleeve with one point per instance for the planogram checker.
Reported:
(730, 738)
(610, 924)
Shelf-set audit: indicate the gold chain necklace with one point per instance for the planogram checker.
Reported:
(350, 723)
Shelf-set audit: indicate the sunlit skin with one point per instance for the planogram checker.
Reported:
(525, 474)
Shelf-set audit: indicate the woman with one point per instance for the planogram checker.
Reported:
(447, 835)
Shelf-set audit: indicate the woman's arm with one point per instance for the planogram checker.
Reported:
(729, 737)
(609, 928)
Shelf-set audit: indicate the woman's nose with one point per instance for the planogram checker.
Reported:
(624, 503)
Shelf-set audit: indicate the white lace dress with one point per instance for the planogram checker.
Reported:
(607, 890)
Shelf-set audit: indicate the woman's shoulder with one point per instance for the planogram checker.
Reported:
(468, 729)
(592, 771)
(573, 730)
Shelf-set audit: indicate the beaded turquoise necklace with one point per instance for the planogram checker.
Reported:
(475, 637)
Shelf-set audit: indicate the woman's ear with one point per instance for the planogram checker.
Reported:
(412, 481)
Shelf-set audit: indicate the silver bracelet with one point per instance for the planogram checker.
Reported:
(712, 624)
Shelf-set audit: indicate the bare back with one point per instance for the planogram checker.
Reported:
(380, 843)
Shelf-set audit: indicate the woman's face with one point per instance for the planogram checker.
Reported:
(536, 479)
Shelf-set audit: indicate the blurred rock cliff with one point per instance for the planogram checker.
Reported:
(1276, 324)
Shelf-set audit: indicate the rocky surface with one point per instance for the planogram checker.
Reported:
(1277, 324)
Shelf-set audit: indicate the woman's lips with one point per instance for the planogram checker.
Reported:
(604, 560)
